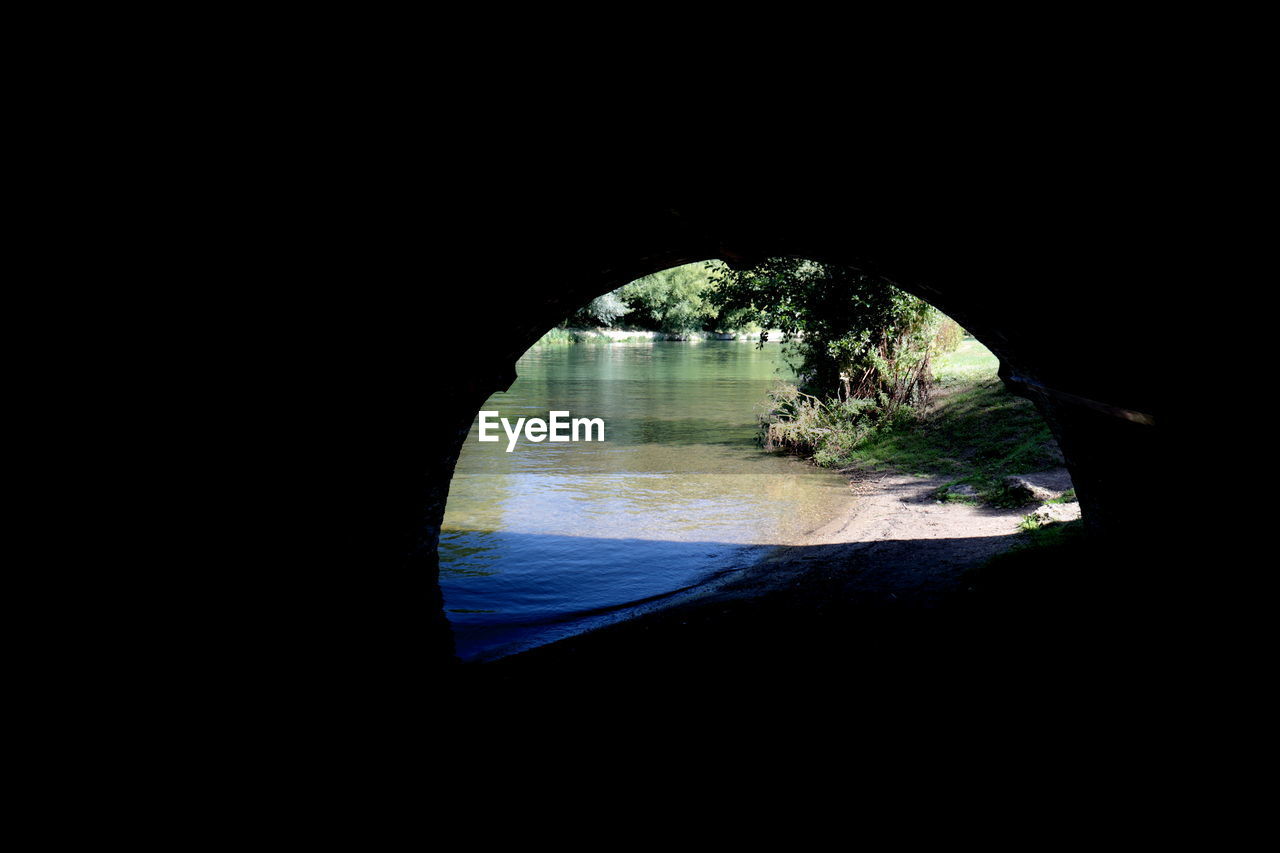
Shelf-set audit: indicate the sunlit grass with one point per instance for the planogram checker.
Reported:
(970, 362)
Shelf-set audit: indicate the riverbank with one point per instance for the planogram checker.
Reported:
(899, 568)
(891, 577)
(558, 336)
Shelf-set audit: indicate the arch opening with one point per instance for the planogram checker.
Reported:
(608, 513)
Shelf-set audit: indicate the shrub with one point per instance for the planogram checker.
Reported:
(603, 310)
(828, 430)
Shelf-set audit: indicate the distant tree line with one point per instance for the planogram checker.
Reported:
(674, 301)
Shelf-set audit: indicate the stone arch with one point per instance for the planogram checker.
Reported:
(1066, 312)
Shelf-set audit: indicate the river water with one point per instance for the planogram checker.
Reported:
(554, 538)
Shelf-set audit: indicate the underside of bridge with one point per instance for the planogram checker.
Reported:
(1056, 289)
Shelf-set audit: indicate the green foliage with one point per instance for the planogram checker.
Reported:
(949, 336)
(1030, 523)
(856, 336)
(830, 430)
(978, 435)
(603, 310)
(861, 346)
(976, 432)
(559, 336)
(673, 300)
(970, 361)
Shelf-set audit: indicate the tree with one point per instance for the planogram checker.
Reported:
(603, 310)
(672, 300)
(856, 336)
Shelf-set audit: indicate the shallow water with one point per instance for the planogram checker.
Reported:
(553, 538)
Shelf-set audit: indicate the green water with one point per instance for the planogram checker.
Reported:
(552, 538)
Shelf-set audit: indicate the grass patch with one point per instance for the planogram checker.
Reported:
(945, 495)
(561, 337)
(1031, 524)
(977, 435)
(969, 362)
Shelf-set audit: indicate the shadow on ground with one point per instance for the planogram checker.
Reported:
(909, 607)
